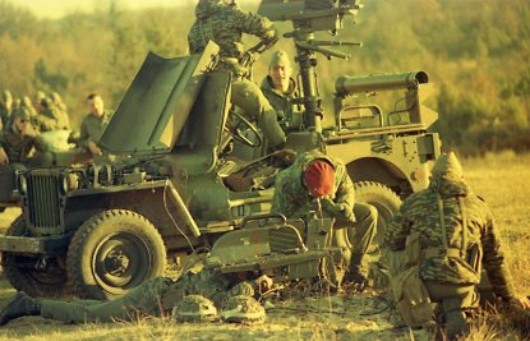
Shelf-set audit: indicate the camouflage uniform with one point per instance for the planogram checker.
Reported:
(454, 228)
(19, 147)
(282, 102)
(148, 298)
(225, 25)
(291, 198)
(92, 128)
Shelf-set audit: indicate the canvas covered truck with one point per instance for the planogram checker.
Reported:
(104, 228)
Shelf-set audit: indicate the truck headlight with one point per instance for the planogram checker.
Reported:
(22, 184)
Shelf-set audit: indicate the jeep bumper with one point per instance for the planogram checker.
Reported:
(37, 245)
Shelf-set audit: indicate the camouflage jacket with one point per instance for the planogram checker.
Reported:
(225, 25)
(291, 198)
(52, 119)
(19, 147)
(419, 217)
(282, 102)
(92, 128)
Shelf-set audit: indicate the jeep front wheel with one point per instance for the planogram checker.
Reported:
(113, 252)
(36, 275)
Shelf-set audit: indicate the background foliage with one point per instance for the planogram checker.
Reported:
(476, 52)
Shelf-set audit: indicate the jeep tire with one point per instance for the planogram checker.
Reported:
(113, 252)
(47, 280)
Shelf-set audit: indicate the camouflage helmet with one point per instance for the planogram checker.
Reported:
(242, 288)
(447, 166)
(242, 309)
(195, 308)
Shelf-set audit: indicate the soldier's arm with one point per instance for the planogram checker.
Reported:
(346, 190)
(495, 262)
(398, 230)
(254, 24)
(39, 144)
(84, 136)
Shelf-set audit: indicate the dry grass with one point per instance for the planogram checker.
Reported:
(500, 179)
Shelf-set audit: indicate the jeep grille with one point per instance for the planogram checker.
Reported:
(43, 199)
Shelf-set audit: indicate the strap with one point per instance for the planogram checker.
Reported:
(442, 222)
(463, 248)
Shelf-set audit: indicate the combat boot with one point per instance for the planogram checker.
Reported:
(355, 275)
(456, 324)
(19, 305)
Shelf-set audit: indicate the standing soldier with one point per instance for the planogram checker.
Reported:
(58, 103)
(224, 23)
(447, 233)
(94, 124)
(6, 108)
(280, 89)
(316, 180)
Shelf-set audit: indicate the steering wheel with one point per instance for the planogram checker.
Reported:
(245, 125)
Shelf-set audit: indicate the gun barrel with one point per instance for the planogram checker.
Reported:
(347, 85)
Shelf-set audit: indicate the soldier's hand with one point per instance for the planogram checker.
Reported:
(94, 149)
(4, 159)
(339, 211)
(520, 302)
(346, 212)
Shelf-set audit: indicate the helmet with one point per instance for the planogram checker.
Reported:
(242, 309)
(242, 288)
(195, 308)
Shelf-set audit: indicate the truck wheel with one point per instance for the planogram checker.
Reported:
(24, 275)
(113, 252)
(386, 201)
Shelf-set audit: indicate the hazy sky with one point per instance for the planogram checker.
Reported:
(58, 8)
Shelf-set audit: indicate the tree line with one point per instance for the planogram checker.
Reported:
(475, 51)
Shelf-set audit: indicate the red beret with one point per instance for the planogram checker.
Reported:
(319, 177)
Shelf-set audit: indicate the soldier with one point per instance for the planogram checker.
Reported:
(448, 232)
(58, 103)
(224, 23)
(93, 124)
(6, 108)
(50, 117)
(154, 297)
(315, 178)
(280, 89)
(19, 140)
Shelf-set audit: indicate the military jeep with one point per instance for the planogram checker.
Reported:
(105, 228)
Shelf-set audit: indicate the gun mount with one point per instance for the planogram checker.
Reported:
(309, 17)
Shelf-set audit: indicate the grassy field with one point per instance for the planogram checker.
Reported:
(502, 180)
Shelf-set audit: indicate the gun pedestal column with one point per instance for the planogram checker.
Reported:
(307, 61)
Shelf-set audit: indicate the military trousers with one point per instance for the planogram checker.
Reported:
(249, 97)
(360, 234)
(146, 299)
(453, 301)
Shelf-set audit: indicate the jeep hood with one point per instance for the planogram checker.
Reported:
(157, 104)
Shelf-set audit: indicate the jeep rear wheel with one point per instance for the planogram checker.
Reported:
(113, 252)
(32, 274)
(386, 201)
